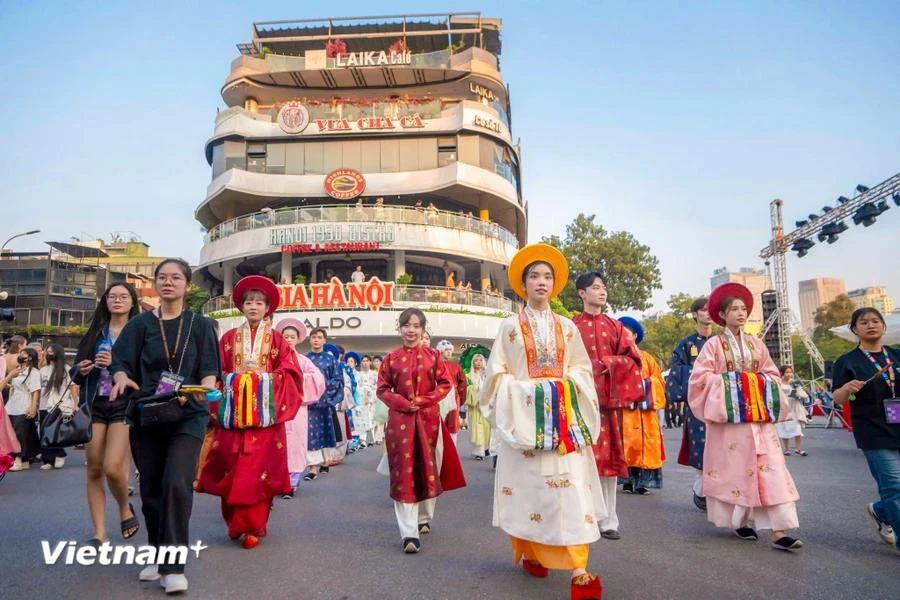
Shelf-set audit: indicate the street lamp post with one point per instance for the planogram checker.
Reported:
(18, 235)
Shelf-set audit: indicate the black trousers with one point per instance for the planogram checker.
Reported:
(26, 432)
(48, 455)
(167, 462)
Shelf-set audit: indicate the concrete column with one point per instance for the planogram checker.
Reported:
(251, 105)
(228, 278)
(286, 263)
(485, 276)
(484, 214)
(399, 263)
(313, 265)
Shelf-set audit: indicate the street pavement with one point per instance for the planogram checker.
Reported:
(338, 540)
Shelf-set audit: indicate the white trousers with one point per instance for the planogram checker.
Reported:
(314, 458)
(410, 516)
(608, 488)
(698, 483)
(379, 432)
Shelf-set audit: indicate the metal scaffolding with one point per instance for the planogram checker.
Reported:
(862, 208)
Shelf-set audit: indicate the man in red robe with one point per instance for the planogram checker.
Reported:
(460, 386)
(616, 363)
(421, 455)
(247, 461)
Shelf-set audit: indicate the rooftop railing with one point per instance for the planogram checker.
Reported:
(353, 213)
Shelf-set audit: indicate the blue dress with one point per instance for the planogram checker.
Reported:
(693, 439)
(321, 413)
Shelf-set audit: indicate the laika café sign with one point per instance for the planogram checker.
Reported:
(372, 59)
(371, 294)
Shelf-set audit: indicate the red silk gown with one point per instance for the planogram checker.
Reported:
(248, 467)
(616, 364)
(458, 379)
(411, 437)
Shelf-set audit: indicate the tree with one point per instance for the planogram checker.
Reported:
(557, 306)
(835, 313)
(631, 271)
(196, 298)
(830, 347)
(663, 331)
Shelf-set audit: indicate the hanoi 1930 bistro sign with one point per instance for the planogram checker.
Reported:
(333, 233)
(372, 294)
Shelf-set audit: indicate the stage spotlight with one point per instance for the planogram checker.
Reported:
(862, 189)
(865, 215)
(802, 246)
(831, 232)
(882, 206)
(843, 199)
(812, 217)
(826, 209)
(896, 198)
(801, 223)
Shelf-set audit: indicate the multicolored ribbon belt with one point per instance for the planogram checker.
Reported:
(647, 402)
(751, 397)
(558, 422)
(249, 401)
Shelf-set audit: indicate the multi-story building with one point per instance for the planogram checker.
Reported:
(815, 293)
(875, 296)
(756, 280)
(378, 145)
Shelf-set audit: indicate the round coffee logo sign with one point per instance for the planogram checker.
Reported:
(293, 117)
(345, 184)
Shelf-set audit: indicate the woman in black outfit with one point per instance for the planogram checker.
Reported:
(868, 377)
(170, 346)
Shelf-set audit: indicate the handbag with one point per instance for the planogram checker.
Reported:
(61, 430)
(159, 409)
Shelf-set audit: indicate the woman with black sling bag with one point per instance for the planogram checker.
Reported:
(158, 353)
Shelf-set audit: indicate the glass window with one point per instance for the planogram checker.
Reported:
(256, 149)
(352, 155)
(468, 149)
(370, 156)
(390, 156)
(235, 155)
(333, 156)
(218, 160)
(256, 164)
(314, 159)
(293, 158)
(275, 157)
(428, 153)
(409, 154)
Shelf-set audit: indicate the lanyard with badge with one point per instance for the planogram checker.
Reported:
(887, 372)
(170, 381)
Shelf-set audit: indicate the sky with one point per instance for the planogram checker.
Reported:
(678, 122)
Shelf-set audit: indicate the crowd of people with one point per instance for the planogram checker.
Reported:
(567, 410)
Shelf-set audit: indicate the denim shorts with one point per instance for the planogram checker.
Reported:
(106, 412)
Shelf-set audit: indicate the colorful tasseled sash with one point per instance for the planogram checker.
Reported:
(751, 397)
(558, 422)
(249, 401)
(647, 402)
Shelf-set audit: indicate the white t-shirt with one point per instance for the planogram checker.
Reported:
(49, 399)
(22, 388)
(357, 277)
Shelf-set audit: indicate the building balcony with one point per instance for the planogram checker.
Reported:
(237, 192)
(467, 115)
(277, 77)
(424, 297)
(391, 227)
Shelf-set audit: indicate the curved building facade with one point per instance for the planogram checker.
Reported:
(368, 165)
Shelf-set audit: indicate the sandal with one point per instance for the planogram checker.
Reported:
(131, 525)
(801, 452)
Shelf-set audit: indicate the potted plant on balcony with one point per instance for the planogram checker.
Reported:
(335, 48)
(398, 47)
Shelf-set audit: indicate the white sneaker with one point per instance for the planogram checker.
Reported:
(174, 583)
(885, 531)
(18, 465)
(46, 467)
(59, 462)
(150, 573)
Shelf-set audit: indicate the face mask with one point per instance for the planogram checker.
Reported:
(50, 357)
(21, 360)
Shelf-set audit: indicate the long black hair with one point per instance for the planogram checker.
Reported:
(32, 359)
(102, 317)
(59, 369)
